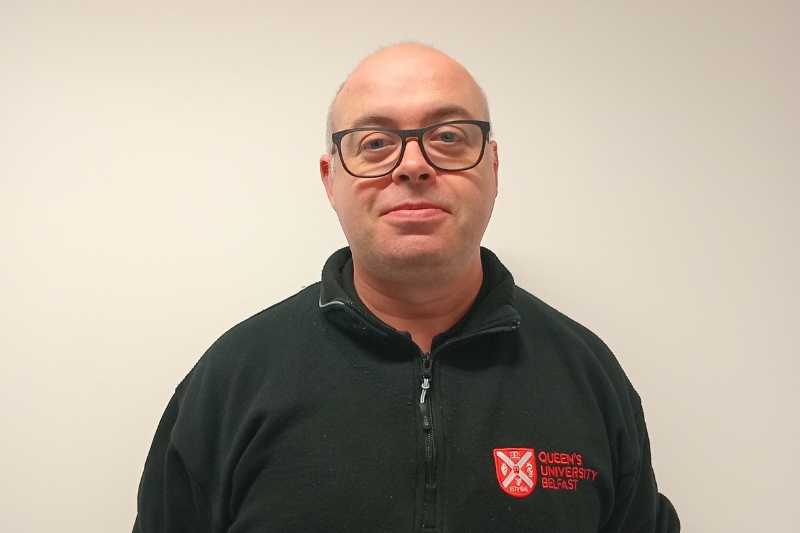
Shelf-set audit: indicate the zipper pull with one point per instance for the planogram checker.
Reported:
(426, 416)
(426, 385)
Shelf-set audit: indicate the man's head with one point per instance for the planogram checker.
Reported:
(417, 219)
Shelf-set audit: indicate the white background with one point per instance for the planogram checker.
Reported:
(159, 183)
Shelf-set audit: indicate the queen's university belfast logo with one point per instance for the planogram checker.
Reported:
(519, 469)
(516, 470)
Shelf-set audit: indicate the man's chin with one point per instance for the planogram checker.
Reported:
(413, 259)
(418, 249)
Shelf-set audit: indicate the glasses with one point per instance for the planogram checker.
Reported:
(449, 146)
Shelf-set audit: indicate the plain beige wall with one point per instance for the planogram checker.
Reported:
(159, 183)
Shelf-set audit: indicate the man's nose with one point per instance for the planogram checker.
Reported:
(413, 167)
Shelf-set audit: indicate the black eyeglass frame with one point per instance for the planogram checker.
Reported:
(415, 134)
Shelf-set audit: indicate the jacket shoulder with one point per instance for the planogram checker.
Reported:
(252, 353)
(252, 357)
(264, 332)
(290, 314)
(571, 340)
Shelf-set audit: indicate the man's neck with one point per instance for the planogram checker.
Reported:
(423, 308)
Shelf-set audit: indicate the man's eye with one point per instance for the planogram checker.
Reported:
(447, 136)
(375, 142)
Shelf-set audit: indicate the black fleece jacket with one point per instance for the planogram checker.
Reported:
(310, 416)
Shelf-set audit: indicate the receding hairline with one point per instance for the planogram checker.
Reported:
(329, 122)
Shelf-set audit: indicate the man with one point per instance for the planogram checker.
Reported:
(415, 388)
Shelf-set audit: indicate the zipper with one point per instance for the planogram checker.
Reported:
(429, 493)
(426, 409)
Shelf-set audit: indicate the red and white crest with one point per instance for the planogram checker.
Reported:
(516, 470)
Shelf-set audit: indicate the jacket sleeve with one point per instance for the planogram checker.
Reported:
(170, 499)
(639, 508)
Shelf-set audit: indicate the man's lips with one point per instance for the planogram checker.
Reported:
(415, 209)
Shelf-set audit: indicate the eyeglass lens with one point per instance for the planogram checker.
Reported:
(449, 147)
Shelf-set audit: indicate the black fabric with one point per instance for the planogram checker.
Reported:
(306, 417)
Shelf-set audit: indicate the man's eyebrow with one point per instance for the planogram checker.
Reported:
(452, 112)
(379, 121)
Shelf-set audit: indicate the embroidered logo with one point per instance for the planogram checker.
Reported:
(516, 470)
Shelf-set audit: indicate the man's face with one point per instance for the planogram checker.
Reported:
(416, 215)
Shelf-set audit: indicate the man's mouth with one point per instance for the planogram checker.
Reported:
(420, 209)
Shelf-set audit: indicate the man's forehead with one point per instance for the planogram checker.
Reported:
(414, 83)
(428, 115)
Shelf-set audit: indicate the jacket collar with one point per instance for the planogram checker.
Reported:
(494, 308)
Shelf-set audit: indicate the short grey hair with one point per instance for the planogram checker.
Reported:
(329, 121)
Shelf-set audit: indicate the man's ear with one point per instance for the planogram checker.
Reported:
(495, 162)
(326, 173)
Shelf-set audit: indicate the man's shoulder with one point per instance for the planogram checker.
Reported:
(272, 330)
(284, 317)
(541, 314)
(566, 339)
